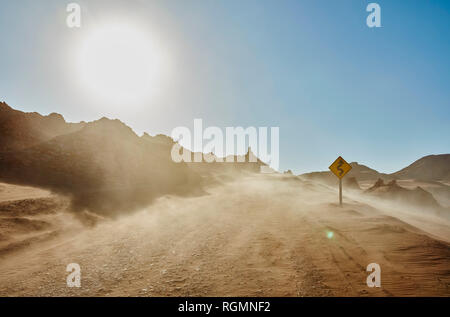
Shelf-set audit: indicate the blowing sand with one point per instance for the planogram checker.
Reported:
(256, 236)
(10, 192)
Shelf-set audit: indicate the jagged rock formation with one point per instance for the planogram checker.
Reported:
(20, 130)
(392, 191)
(105, 167)
(102, 165)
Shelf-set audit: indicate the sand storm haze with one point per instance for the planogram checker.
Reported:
(254, 236)
(216, 229)
(225, 155)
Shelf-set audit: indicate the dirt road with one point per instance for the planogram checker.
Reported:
(259, 236)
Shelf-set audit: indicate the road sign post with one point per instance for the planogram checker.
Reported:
(339, 168)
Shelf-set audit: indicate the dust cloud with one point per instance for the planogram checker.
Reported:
(253, 235)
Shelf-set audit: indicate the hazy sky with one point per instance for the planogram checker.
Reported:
(313, 68)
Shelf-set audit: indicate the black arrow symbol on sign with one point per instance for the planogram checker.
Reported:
(339, 167)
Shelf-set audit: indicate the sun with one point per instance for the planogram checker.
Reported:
(119, 63)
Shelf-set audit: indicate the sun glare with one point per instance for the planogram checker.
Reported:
(119, 63)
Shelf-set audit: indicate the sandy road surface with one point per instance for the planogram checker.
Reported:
(260, 236)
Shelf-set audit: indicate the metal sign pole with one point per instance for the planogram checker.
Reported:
(340, 168)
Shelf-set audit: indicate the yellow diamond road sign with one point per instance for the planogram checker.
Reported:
(340, 167)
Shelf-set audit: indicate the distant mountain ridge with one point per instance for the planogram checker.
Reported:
(428, 168)
(359, 172)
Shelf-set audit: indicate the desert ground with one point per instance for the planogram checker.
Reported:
(255, 235)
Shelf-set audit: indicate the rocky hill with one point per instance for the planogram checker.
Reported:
(102, 165)
(432, 168)
(428, 168)
(358, 172)
(20, 130)
(418, 197)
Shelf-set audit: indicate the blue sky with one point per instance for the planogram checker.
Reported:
(379, 96)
